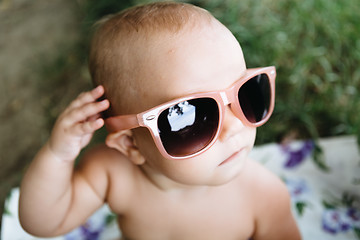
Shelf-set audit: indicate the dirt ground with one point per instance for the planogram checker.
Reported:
(31, 35)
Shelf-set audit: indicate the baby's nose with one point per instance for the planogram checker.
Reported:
(231, 125)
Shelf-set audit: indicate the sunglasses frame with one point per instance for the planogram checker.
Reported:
(229, 96)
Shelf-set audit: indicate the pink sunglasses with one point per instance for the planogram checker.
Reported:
(188, 126)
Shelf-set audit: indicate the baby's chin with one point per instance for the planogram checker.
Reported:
(221, 176)
(224, 179)
(228, 171)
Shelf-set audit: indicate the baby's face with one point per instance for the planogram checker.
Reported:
(200, 60)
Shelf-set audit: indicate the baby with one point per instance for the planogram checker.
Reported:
(183, 118)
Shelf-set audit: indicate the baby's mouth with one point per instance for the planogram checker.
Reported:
(232, 157)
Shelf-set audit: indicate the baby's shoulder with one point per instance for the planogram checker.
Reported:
(104, 167)
(103, 158)
(268, 192)
(264, 182)
(270, 201)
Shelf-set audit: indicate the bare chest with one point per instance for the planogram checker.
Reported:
(221, 216)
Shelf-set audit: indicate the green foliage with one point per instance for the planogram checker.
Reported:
(315, 46)
(94, 10)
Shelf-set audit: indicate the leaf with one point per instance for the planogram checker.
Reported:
(328, 205)
(109, 219)
(318, 158)
(6, 207)
(7, 211)
(300, 207)
(347, 199)
(357, 232)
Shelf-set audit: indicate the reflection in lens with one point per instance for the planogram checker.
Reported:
(189, 126)
(181, 115)
(254, 97)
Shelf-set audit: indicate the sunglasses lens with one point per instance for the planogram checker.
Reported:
(189, 126)
(255, 98)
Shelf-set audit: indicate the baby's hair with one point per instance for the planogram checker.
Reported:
(113, 60)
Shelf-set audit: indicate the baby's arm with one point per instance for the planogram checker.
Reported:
(54, 198)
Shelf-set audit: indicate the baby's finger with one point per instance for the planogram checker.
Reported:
(94, 117)
(88, 127)
(82, 113)
(88, 97)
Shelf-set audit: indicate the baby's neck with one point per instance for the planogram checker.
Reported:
(165, 184)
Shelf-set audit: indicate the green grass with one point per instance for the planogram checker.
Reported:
(315, 45)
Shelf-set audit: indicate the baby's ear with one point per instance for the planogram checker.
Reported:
(124, 142)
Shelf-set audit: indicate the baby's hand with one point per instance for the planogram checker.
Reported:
(76, 125)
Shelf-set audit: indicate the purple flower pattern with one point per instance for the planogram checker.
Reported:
(297, 188)
(91, 230)
(88, 231)
(296, 156)
(299, 192)
(340, 219)
(336, 219)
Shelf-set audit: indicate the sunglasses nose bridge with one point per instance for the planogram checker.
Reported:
(228, 97)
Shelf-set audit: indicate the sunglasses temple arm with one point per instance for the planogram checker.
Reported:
(115, 124)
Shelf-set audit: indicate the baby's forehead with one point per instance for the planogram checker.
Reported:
(144, 53)
(164, 78)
